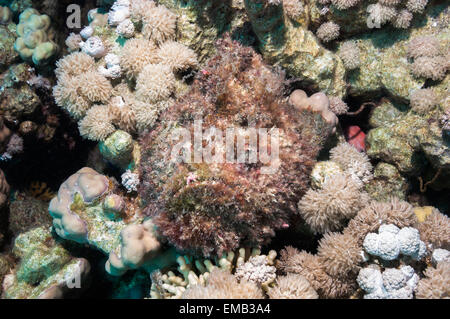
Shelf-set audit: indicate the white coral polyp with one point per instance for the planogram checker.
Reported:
(113, 72)
(125, 29)
(112, 60)
(93, 47)
(440, 255)
(256, 270)
(120, 11)
(389, 228)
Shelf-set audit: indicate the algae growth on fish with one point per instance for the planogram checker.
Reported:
(239, 149)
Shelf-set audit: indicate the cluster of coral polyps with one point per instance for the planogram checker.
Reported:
(367, 14)
(216, 206)
(123, 70)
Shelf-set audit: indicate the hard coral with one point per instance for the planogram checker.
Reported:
(309, 266)
(191, 271)
(350, 54)
(292, 286)
(213, 207)
(35, 42)
(339, 254)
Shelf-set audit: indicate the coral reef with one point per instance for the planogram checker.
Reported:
(192, 275)
(151, 57)
(435, 285)
(238, 149)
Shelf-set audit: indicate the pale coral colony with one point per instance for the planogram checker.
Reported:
(357, 208)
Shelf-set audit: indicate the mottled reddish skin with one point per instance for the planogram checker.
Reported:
(356, 137)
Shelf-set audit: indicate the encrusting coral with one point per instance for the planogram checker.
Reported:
(46, 269)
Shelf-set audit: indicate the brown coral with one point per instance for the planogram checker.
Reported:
(435, 230)
(339, 254)
(436, 284)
